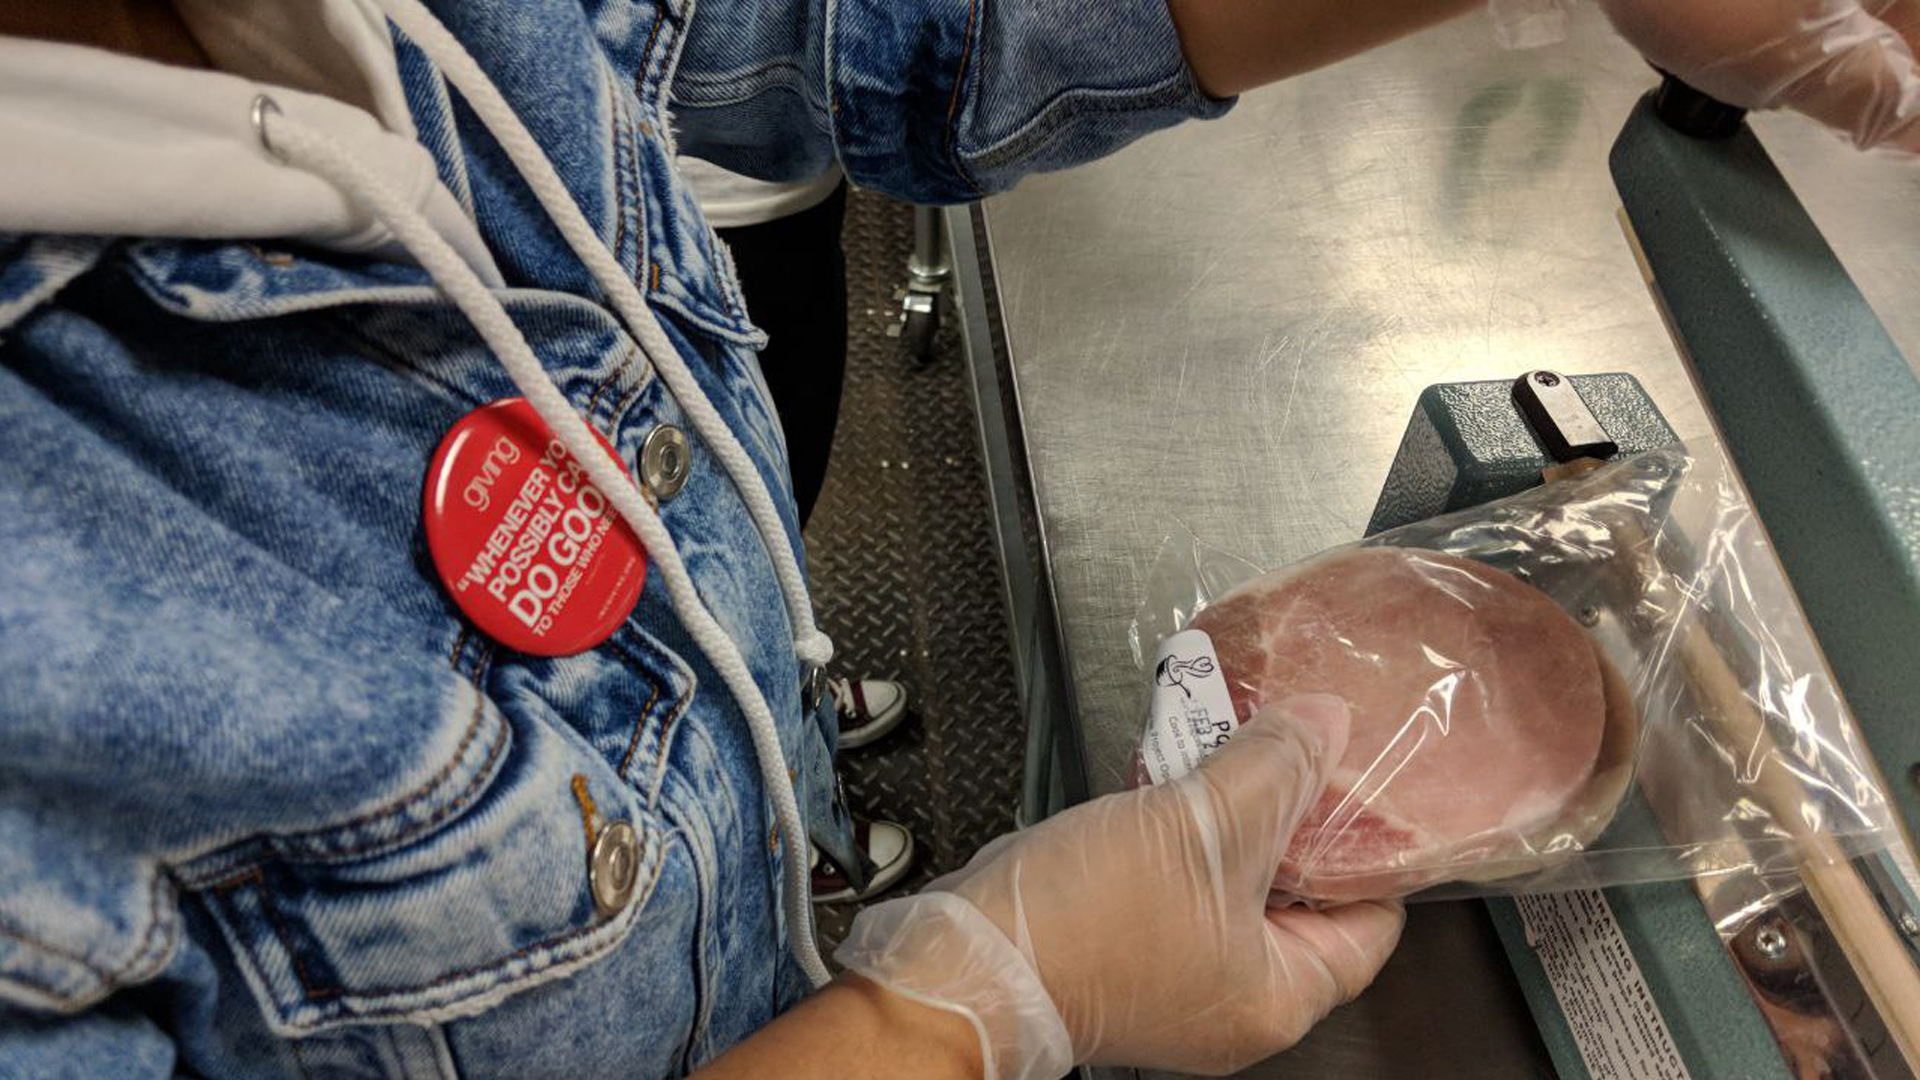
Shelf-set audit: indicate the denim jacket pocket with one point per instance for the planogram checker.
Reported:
(495, 899)
(625, 698)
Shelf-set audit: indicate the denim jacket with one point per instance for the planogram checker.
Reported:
(269, 807)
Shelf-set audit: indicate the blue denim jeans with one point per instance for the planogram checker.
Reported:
(268, 806)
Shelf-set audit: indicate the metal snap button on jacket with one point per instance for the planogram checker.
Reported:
(665, 461)
(615, 866)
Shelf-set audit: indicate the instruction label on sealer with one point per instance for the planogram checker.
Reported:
(1602, 994)
(1192, 711)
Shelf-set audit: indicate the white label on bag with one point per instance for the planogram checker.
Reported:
(1604, 997)
(1192, 714)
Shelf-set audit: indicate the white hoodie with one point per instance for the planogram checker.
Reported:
(95, 142)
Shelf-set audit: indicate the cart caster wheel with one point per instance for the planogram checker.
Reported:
(919, 321)
(918, 332)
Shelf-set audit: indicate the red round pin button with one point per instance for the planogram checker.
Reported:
(530, 550)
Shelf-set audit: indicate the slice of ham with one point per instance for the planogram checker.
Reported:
(1478, 714)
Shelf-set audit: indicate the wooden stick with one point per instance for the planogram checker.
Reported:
(1872, 944)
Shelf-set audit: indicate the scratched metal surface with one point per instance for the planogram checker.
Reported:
(1224, 328)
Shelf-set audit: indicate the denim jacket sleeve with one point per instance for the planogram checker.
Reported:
(928, 100)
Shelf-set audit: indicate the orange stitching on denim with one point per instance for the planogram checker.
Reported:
(953, 103)
(646, 53)
(679, 707)
(666, 725)
(258, 879)
(640, 725)
(966, 54)
(246, 941)
(655, 268)
(459, 643)
(636, 169)
(593, 403)
(233, 878)
(640, 95)
(625, 403)
(286, 941)
(585, 798)
(619, 150)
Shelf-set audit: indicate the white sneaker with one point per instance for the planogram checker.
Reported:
(868, 708)
(887, 844)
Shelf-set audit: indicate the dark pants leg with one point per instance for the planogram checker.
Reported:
(794, 274)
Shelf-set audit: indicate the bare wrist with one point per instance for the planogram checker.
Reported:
(1235, 45)
(942, 1040)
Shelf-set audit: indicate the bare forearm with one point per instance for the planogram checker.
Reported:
(1236, 45)
(854, 1030)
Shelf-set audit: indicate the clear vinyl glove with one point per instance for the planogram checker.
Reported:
(1134, 929)
(1847, 63)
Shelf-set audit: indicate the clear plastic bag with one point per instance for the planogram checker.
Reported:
(1600, 681)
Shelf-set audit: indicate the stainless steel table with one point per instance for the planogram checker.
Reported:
(1224, 327)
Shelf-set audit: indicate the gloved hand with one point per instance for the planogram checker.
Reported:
(1848, 63)
(1134, 929)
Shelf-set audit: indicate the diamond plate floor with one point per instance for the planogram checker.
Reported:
(900, 547)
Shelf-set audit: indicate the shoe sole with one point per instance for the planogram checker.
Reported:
(884, 878)
(877, 728)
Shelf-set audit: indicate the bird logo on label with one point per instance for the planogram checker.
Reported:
(1174, 671)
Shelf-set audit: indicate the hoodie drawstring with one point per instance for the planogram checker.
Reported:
(506, 127)
(312, 150)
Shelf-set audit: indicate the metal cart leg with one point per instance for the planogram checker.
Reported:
(927, 274)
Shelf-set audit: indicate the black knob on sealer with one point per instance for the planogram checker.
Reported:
(1694, 113)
